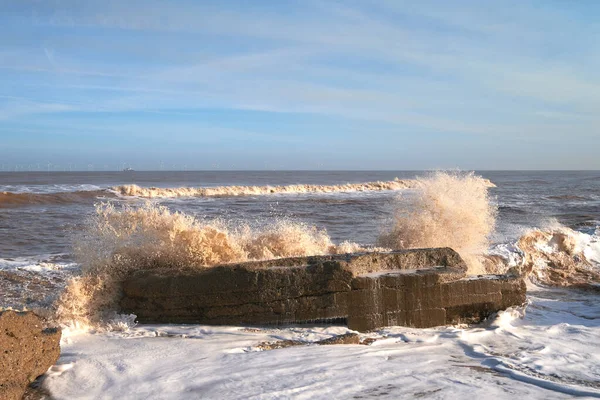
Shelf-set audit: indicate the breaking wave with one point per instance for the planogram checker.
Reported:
(560, 256)
(11, 199)
(448, 209)
(224, 191)
(119, 241)
(552, 256)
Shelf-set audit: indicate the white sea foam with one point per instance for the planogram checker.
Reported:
(522, 353)
(543, 351)
(40, 264)
(559, 256)
(227, 191)
(14, 196)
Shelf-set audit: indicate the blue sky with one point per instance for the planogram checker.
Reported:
(300, 84)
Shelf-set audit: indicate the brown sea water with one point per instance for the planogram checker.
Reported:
(41, 213)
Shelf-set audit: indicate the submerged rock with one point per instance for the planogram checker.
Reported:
(346, 338)
(29, 347)
(418, 288)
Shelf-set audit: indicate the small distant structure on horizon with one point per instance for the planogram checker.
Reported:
(128, 169)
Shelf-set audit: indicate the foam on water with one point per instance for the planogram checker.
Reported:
(65, 194)
(52, 188)
(447, 210)
(222, 191)
(36, 264)
(544, 350)
(560, 256)
(34, 282)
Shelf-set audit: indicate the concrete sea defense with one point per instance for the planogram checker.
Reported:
(28, 349)
(418, 288)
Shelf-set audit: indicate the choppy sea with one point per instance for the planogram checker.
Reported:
(549, 348)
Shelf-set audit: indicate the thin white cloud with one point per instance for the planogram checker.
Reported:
(23, 108)
(468, 77)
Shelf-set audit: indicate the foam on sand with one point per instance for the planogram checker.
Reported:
(520, 354)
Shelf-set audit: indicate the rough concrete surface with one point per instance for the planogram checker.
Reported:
(28, 348)
(418, 288)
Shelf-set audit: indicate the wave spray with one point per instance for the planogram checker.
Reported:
(447, 209)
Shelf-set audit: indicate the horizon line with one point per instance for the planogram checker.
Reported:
(303, 170)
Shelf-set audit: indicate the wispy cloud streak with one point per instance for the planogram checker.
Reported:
(498, 70)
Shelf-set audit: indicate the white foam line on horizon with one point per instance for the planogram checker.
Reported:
(222, 191)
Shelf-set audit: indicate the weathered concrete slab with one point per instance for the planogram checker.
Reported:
(28, 349)
(418, 300)
(421, 288)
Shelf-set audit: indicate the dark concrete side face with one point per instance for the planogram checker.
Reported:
(234, 295)
(28, 350)
(412, 287)
(422, 301)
